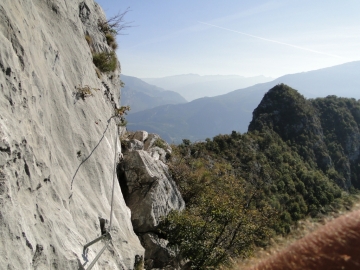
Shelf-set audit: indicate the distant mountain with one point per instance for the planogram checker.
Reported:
(324, 131)
(141, 95)
(207, 117)
(342, 80)
(193, 86)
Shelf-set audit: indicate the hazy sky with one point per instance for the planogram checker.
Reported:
(252, 37)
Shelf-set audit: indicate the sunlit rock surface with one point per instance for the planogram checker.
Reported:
(56, 149)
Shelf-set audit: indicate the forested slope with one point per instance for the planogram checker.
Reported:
(298, 159)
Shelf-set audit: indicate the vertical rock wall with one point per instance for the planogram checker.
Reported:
(56, 149)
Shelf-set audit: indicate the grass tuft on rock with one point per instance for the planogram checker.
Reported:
(111, 41)
(105, 62)
(88, 39)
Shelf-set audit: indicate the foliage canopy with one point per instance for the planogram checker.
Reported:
(242, 189)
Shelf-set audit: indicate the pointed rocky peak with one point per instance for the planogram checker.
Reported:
(295, 119)
(285, 111)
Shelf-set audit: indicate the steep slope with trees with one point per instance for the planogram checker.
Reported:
(324, 131)
(340, 121)
(242, 189)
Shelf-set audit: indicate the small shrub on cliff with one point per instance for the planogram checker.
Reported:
(105, 62)
(84, 91)
(139, 263)
(115, 25)
(121, 112)
(111, 41)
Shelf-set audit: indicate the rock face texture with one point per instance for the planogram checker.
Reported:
(150, 193)
(56, 149)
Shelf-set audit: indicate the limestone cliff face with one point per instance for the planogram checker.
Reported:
(57, 150)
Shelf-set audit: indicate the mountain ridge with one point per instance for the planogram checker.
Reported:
(233, 111)
(193, 86)
(140, 95)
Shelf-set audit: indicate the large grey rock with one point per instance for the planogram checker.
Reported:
(140, 135)
(158, 254)
(152, 139)
(56, 150)
(132, 145)
(158, 153)
(151, 193)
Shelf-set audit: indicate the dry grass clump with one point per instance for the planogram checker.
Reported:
(121, 112)
(84, 91)
(88, 39)
(281, 244)
(111, 41)
(105, 62)
(98, 73)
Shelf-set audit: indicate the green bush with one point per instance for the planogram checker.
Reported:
(105, 62)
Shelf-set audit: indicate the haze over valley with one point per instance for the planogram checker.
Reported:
(194, 86)
(140, 95)
(207, 117)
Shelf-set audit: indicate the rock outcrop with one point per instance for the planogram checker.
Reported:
(150, 193)
(56, 149)
(324, 131)
(158, 254)
(294, 118)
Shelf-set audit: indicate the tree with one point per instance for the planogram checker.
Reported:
(218, 222)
